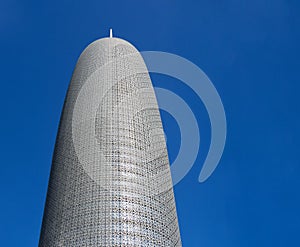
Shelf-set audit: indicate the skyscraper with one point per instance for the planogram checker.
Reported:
(110, 182)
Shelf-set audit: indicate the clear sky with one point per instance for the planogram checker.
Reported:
(249, 49)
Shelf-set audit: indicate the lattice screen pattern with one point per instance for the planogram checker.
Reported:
(110, 182)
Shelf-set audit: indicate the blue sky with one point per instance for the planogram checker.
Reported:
(249, 49)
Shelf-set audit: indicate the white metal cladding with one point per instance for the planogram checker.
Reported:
(110, 182)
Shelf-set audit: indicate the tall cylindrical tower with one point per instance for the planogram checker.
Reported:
(110, 182)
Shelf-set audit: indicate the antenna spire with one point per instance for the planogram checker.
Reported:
(110, 33)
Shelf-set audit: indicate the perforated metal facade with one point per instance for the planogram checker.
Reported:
(110, 182)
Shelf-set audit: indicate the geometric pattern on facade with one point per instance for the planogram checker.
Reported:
(110, 181)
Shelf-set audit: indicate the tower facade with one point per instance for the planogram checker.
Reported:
(110, 182)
